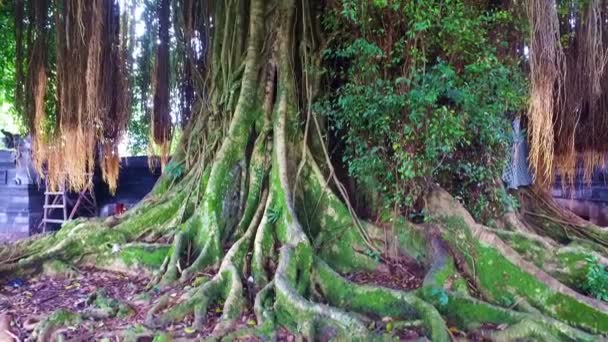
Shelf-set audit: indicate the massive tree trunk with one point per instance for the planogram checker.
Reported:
(259, 211)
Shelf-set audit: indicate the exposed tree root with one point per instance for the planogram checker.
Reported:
(280, 247)
(374, 300)
(293, 293)
(546, 217)
(486, 253)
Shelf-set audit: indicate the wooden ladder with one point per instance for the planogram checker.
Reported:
(54, 200)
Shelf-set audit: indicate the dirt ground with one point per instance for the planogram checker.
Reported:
(25, 302)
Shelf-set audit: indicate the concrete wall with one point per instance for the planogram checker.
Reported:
(22, 197)
(135, 181)
(587, 200)
(14, 200)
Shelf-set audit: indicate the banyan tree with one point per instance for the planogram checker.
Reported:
(254, 191)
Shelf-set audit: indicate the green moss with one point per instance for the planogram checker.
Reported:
(64, 317)
(440, 276)
(198, 281)
(59, 318)
(280, 221)
(303, 255)
(57, 268)
(465, 311)
(231, 152)
(504, 283)
(572, 267)
(110, 306)
(257, 173)
(93, 238)
(162, 337)
(378, 301)
(567, 264)
(589, 245)
(330, 225)
(144, 256)
(365, 299)
(511, 279)
(529, 249)
(461, 286)
(412, 241)
(263, 250)
(135, 333)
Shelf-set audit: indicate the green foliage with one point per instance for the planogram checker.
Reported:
(8, 116)
(439, 295)
(7, 52)
(374, 255)
(273, 215)
(138, 131)
(174, 170)
(597, 279)
(422, 96)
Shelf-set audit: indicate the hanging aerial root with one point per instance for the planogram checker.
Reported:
(546, 217)
(547, 71)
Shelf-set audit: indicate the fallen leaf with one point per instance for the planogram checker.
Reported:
(454, 330)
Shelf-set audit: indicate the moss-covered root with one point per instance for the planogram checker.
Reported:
(226, 285)
(89, 238)
(544, 215)
(46, 329)
(303, 316)
(379, 301)
(469, 314)
(99, 307)
(262, 303)
(483, 252)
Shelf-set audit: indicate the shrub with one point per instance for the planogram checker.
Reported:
(422, 97)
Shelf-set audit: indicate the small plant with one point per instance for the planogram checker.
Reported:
(597, 279)
(273, 215)
(175, 170)
(440, 295)
(375, 255)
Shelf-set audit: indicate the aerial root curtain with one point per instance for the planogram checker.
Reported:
(161, 114)
(568, 125)
(91, 103)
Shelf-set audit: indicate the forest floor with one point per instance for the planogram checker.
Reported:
(24, 303)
